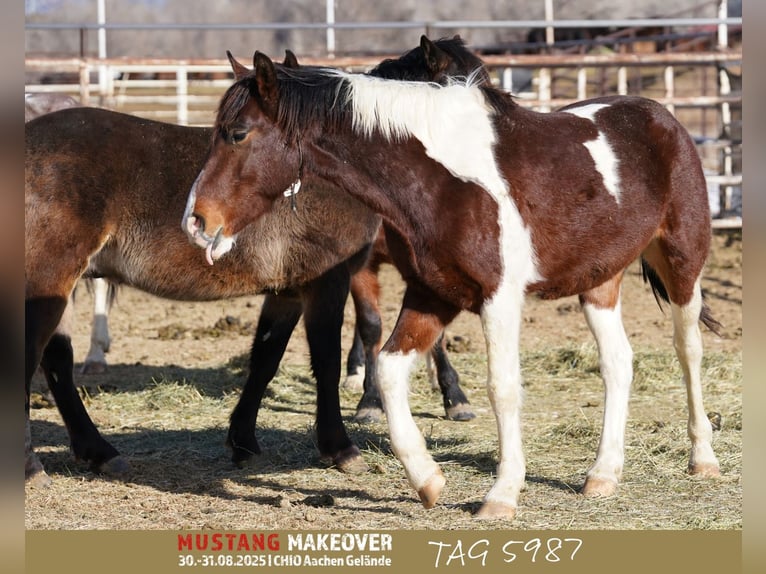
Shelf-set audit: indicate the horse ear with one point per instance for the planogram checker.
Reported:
(239, 70)
(436, 59)
(266, 82)
(290, 60)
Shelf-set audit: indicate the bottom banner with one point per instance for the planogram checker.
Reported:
(360, 551)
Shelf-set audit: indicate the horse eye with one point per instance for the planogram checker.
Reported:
(238, 136)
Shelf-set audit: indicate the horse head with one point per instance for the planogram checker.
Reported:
(256, 153)
(236, 168)
(434, 61)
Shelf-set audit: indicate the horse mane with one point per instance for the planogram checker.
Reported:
(312, 95)
(307, 95)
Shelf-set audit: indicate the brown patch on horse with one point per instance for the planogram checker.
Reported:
(606, 295)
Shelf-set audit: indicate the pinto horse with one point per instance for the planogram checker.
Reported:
(103, 195)
(482, 202)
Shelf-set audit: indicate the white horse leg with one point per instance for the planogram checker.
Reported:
(421, 320)
(407, 441)
(687, 341)
(616, 364)
(95, 360)
(501, 320)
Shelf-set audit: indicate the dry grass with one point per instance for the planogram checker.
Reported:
(172, 383)
(171, 423)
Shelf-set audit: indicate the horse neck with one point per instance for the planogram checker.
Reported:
(352, 166)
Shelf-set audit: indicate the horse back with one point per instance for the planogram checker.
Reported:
(596, 182)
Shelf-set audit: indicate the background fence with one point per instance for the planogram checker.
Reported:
(695, 75)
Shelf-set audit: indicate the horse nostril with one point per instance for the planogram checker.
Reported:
(199, 222)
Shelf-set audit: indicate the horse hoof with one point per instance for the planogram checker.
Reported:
(598, 487)
(116, 467)
(495, 510)
(93, 368)
(354, 382)
(368, 415)
(430, 491)
(350, 461)
(242, 458)
(705, 470)
(241, 454)
(460, 412)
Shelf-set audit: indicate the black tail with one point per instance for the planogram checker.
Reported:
(650, 276)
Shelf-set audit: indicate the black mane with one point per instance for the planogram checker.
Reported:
(308, 95)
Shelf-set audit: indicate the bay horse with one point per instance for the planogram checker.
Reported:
(482, 202)
(103, 195)
(37, 104)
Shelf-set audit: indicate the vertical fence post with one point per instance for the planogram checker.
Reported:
(84, 83)
(330, 17)
(182, 92)
(670, 88)
(582, 83)
(506, 80)
(544, 89)
(622, 80)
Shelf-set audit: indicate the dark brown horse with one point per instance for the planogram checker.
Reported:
(104, 195)
(482, 202)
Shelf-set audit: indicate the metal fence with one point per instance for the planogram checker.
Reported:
(702, 88)
(187, 93)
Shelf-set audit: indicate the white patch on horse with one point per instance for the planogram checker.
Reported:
(455, 125)
(453, 122)
(407, 440)
(602, 153)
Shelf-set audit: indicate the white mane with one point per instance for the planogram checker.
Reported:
(453, 122)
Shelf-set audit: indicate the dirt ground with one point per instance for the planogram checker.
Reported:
(154, 348)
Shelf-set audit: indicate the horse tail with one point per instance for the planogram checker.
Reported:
(112, 292)
(650, 276)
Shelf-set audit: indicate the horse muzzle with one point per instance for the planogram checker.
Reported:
(215, 245)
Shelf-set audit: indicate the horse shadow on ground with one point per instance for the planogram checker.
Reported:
(196, 461)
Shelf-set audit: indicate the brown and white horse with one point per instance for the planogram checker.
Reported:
(482, 202)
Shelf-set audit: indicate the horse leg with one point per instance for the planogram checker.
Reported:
(279, 316)
(455, 402)
(41, 316)
(501, 321)
(602, 312)
(687, 341)
(57, 362)
(365, 291)
(100, 341)
(323, 306)
(420, 321)
(364, 294)
(355, 364)
(679, 268)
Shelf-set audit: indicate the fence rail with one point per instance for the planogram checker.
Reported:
(187, 92)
